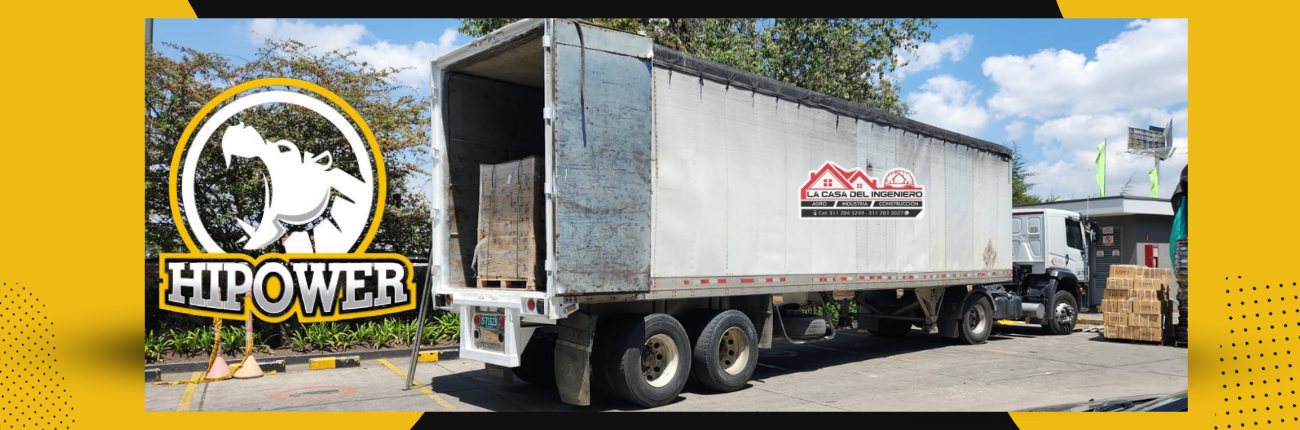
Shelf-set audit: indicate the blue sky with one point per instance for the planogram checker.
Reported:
(1056, 87)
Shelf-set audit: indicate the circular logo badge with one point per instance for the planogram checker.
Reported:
(899, 178)
(309, 205)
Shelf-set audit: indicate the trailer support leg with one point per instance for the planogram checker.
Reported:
(573, 358)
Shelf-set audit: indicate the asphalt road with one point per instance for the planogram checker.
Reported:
(1018, 368)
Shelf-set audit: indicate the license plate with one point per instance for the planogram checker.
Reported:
(490, 322)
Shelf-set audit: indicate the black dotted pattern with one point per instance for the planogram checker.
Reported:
(1258, 358)
(33, 395)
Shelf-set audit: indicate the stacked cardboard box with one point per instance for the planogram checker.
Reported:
(1133, 304)
(510, 239)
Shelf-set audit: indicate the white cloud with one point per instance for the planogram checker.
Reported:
(928, 55)
(948, 102)
(1144, 66)
(353, 37)
(1015, 130)
(1069, 145)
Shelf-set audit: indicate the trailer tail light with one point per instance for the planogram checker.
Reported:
(898, 294)
(532, 306)
(776, 298)
(478, 319)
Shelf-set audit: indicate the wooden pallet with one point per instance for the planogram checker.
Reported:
(508, 283)
(1123, 340)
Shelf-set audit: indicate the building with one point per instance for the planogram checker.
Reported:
(1131, 230)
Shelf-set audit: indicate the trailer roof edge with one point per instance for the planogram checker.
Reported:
(677, 60)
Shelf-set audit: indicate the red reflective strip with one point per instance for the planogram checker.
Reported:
(861, 277)
(722, 281)
(768, 280)
(844, 278)
(746, 280)
(823, 279)
(782, 279)
(965, 275)
(686, 282)
(704, 281)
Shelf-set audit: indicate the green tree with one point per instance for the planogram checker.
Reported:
(176, 88)
(849, 58)
(1020, 184)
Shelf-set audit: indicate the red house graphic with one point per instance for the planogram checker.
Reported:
(832, 177)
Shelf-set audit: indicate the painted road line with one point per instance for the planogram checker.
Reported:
(188, 396)
(427, 357)
(422, 387)
(996, 350)
(333, 362)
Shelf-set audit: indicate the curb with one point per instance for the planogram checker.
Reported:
(319, 363)
(277, 363)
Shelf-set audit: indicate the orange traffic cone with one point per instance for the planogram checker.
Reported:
(219, 369)
(248, 369)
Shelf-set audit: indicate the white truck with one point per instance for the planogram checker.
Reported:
(691, 210)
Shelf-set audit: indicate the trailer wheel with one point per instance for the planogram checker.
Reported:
(1064, 314)
(891, 328)
(804, 327)
(726, 351)
(537, 363)
(976, 321)
(648, 360)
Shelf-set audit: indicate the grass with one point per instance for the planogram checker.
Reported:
(329, 336)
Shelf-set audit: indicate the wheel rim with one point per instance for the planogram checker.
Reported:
(733, 351)
(1064, 314)
(659, 360)
(975, 320)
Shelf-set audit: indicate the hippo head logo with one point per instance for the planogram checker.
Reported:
(302, 184)
(309, 205)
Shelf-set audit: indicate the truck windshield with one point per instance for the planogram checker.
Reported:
(1073, 234)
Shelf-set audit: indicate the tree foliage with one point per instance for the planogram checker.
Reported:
(176, 88)
(849, 58)
(1020, 184)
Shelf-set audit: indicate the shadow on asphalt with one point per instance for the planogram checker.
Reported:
(475, 388)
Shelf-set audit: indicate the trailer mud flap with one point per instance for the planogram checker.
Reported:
(573, 358)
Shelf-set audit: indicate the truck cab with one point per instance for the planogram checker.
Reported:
(1049, 256)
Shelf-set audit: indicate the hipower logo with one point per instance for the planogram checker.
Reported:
(323, 217)
(833, 192)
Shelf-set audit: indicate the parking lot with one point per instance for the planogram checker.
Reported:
(1018, 368)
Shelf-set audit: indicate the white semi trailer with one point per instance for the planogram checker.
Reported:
(692, 209)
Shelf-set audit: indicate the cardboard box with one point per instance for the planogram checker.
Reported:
(511, 236)
(1123, 271)
(1150, 284)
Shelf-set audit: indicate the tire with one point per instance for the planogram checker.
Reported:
(891, 328)
(1065, 314)
(804, 327)
(537, 363)
(725, 352)
(976, 322)
(630, 345)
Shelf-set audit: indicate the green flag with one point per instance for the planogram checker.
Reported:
(1101, 168)
(1155, 182)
